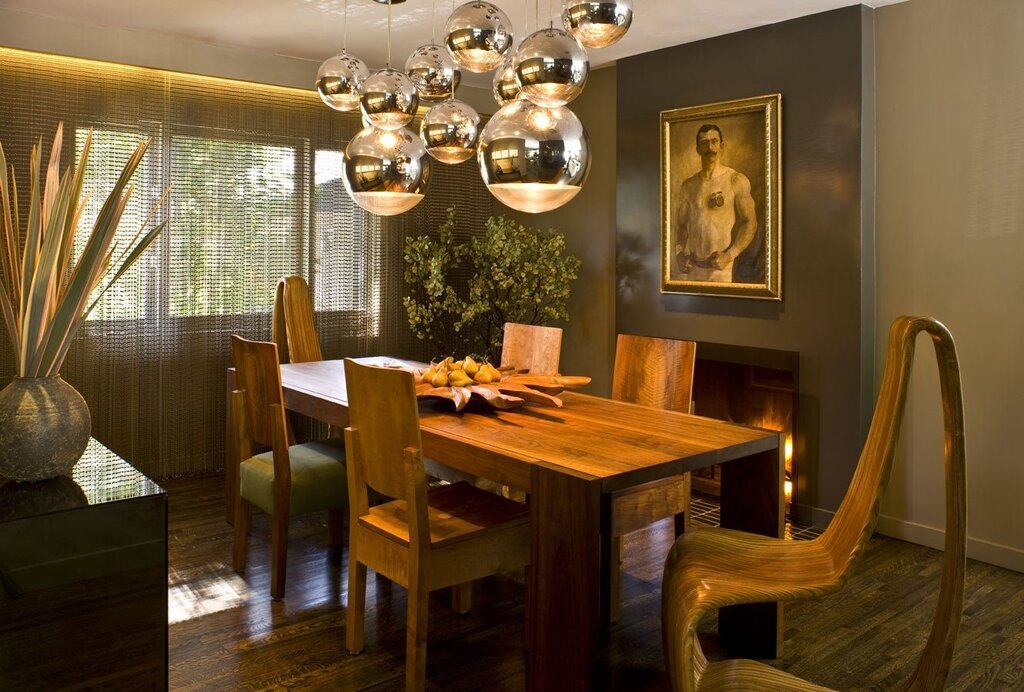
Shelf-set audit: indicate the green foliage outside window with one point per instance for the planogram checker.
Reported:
(518, 274)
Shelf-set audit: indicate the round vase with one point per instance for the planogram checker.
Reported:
(44, 428)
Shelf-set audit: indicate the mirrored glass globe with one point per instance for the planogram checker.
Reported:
(532, 158)
(551, 67)
(506, 88)
(597, 24)
(386, 171)
(477, 36)
(433, 72)
(449, 131)
(388, 99)
(339, 80)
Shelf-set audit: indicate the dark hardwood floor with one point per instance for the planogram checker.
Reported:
(226, 632)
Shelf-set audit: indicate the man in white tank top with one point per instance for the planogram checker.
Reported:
(716, 219)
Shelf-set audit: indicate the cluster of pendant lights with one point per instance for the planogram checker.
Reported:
(534, 153)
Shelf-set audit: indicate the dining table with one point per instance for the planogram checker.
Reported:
(570, 460)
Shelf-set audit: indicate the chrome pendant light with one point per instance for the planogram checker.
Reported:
(477, 36)
(433, 72)
(597, 23)
(388, 99)
(341, 76)
(386, 171)
(449, 131)
(551, 67)
(506, 87)
(532, 158)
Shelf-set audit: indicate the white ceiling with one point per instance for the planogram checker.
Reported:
(312, 29)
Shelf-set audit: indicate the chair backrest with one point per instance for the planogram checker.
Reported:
(384, 421)
(850, 530)
(278, 329)
(258, 375)
(654, 372)
(293, 324)
(531, 347)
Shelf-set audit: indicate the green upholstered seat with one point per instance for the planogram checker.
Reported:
(319, 480)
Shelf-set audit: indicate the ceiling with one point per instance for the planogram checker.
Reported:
(313, 29)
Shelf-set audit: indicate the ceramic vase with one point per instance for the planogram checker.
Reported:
(44, 428)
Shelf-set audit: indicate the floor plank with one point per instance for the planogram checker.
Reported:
(227, 633)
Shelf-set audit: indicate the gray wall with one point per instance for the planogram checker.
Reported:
(816, 64)
(950, 239)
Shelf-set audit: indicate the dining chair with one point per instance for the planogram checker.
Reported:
(293, 327)
(288, 480)
(659, 373)
(712, 568)
(424, 539)
(531, 347)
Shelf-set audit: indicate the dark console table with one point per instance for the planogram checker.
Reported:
(83, 579)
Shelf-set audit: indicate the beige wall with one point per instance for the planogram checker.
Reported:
(588, 345)
(950, 244)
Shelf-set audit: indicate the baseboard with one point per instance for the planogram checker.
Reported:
(977, 549)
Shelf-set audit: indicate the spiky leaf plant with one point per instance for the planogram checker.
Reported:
(44, 295)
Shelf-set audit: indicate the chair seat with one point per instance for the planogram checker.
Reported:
(319, 480)
(454, 512)
(720, 567)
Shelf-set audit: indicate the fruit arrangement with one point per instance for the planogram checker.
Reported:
(459, 380)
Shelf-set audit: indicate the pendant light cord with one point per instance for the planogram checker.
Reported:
(344, 30)
(389, 35)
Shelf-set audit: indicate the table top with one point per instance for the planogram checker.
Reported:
(100, 476)
(613, 442)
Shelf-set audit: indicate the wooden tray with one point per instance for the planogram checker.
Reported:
(513, 390)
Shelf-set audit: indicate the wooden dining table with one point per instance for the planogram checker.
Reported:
(570, 460)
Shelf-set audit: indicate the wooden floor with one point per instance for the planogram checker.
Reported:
(226, 633)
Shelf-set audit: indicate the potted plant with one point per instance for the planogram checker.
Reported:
(45, 297)
(519, 274)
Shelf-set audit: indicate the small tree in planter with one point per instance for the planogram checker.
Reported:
(519, 274)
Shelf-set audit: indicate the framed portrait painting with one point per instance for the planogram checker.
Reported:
(721, 199)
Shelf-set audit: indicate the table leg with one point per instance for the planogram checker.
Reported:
(753, 500)
(563, 610)
(230, 471)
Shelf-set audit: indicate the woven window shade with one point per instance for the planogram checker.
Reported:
(256, 194)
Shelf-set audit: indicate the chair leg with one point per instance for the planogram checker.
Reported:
(356, 614)
(416, 635)
(682, 522)
(462, 597)
(278, 554)
(615, 586)
(243, 517)
(336, 526)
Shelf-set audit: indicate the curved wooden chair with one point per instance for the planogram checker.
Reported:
(291, 478)
(423, 539)
(293, 327)
(657, 373)
(531, 347)
(712, 568)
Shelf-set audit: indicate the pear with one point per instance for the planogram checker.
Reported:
(457, 365)
(459, 378)
(428, 375)
(482, 376)
(440, 378)
(493, 372)
(470, 366)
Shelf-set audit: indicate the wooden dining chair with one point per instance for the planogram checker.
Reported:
(712, 568)
(293, 327)
(423, 539)
(658, 373)
(290, 479)
(531, 347)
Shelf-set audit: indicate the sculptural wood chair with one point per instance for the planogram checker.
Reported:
(294, 330)
(423, 540)
(531, 347)
(711, 568)
(657, 373)
(288, 480)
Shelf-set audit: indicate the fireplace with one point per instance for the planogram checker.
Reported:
(750, 386)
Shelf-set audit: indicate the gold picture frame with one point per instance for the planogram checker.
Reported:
(721, 199)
